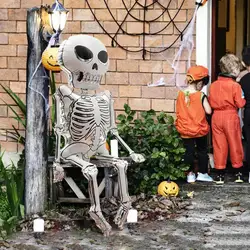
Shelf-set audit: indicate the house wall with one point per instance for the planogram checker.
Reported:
(128, 74)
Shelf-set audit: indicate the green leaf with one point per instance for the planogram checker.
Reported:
(15, 98)
(18, 118)
(127, 109)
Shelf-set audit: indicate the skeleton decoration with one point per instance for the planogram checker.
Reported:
(84, 121)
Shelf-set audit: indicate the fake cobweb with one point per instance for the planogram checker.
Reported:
(186, 45)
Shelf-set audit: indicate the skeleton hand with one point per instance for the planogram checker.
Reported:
(138, 158)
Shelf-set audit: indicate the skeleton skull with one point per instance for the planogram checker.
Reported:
(85, 60)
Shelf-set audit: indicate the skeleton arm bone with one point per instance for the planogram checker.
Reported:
(135, 157)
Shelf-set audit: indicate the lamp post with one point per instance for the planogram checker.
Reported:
(39, 33)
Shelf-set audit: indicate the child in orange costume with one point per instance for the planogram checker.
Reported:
(191, 108)
(225, 98)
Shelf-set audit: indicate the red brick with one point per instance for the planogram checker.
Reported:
(104, 14)
(17, 62)
(139, 104)
(122, 13)
(135, 55)
(165, 28)
(18, 87)
(91, 27)
(105, 39)
(139, 78)
(22, 75)
(3, 110)
(118, 4)
(22, 50)
(168, 54)
(153, 92)
(6, 123)
(116, 53)
(173, 4)
(127, 65)
(180, 17)
(181, 26)
(184, 55)
(173, 41)
(72, 27)
(136, 27)
(112, 27)
(82, 15)
(171, 93)
(153, 41)
(17, 110)
(117, 78)
(8, 146)
(10, 4)
(168, 78)
(8, 74)
(17, 39)
(125, 40)
(168, 69)
(150, 66)
(7, 26)
(152, 14)
(30, 3)
(119, 103)
(23, 98)
(95, 4)
(21, 27)
(112, 88)
(17, 14)
(188, 4)
(112, 65)
(4, 38)
(130, 91)
(3, 14)
(163, 105)
(3, 62)
(4, 83)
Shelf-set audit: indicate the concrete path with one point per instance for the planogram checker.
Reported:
(219, 218)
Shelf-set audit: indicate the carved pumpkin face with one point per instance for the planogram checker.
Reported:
(168, 188)
(49, 59)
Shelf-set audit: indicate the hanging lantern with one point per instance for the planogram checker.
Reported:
(168, 188)
(50, 59)
(58, 17)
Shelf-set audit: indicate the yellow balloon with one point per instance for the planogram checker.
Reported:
(168, 188)
(49, 59)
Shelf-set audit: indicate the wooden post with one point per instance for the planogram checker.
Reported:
(37, 117)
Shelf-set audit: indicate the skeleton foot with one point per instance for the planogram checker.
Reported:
(122, 214)
(100, 222)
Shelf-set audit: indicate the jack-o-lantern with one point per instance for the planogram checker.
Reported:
(50, 59)
(168, 188)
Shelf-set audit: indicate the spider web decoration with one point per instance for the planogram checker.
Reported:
(148, 4)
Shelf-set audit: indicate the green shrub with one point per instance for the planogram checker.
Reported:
(11, 196)
(156, 137)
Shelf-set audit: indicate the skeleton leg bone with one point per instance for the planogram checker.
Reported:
(121, 168)
(90, 173)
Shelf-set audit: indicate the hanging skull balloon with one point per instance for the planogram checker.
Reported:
(85, 59)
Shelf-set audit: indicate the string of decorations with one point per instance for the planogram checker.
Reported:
(145, 8)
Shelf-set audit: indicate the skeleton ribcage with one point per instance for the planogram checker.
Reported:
(89, 115)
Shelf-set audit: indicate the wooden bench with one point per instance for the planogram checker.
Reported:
(108, 183)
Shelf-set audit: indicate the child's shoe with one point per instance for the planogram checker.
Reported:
(191, 177)
(238, 178)
(219, 180)
(204, 177)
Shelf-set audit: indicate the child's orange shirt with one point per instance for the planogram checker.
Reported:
(191, 119)
(226, 94)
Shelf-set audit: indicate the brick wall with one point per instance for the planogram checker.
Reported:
(128, 73)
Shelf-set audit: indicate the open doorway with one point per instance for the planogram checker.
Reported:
(231, 29)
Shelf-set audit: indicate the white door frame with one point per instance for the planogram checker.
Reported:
(204, 36)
